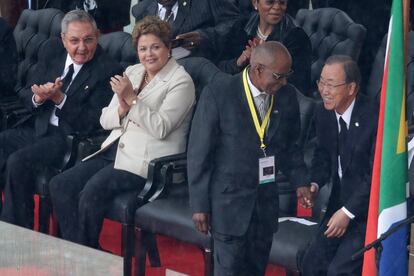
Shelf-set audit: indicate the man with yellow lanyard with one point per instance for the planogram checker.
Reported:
(244, 131)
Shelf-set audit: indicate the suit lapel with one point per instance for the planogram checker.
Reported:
(152, 8)
(182, 15)
(80, 79)
(58, 69)
(352, 134)
(332, 136)
(274, 119)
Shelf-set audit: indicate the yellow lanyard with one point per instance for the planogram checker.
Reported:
(260, 129)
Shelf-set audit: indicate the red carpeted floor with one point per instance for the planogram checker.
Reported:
(175, 255)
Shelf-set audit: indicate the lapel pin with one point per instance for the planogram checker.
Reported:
(86, 87)
(356, 124)
(276, 112)
(184, 4)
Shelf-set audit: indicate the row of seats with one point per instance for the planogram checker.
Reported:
(166, 210)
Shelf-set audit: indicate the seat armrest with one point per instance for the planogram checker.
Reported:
(79, 146)
(160, 172)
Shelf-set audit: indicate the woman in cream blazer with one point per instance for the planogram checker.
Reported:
(157, 123)
(149, 117)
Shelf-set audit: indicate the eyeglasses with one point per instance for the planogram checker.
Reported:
(279, 76)
(273, 2)
(328, 86)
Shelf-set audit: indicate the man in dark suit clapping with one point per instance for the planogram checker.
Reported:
(244, 131)
(346, 125)
(65, 94)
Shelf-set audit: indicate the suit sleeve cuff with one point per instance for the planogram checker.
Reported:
(349, 214)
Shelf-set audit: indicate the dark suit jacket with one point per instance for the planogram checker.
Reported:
(109, 15)
(353, 191)
(87, 95)
(213, 19)
(8, 59)
(224, 152)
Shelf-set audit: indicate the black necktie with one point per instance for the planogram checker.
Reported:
(342, 139)
(169, 16)
(68, 79)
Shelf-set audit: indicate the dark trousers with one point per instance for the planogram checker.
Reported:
(245, 255)
(332, 256)
(22, 156)
(82, 195)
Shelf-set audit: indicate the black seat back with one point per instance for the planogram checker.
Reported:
(118, 45)
(331, 32)
(32, 30)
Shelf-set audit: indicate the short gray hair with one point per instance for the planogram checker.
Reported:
(77, 16)
(351, 69)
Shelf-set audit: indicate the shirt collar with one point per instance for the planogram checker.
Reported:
(346, 116)
(174, 10)
(76, 67)
(253, 89)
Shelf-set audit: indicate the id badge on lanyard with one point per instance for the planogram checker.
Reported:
(267, 168)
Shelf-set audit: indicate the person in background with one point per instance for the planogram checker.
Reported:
(203, 27)
(149, 117)
(271, 23)
(109, 15)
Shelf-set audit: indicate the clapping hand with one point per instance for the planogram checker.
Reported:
(48, 91)
(122, 86)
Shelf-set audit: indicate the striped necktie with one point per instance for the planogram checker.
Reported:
(262, 105)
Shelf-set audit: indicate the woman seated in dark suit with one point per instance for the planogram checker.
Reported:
(270, 22)
(149, 117)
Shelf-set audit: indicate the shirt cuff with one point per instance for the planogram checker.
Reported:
(62, 103)
(349, 214)
(35, 104)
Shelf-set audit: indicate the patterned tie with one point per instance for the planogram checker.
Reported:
(90, 5)
(262, 105)
(68, 79)
(169, 16)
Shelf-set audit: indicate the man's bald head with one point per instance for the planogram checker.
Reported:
(270, 52)
(270, 65)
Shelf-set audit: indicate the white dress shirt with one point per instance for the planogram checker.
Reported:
(346, 116)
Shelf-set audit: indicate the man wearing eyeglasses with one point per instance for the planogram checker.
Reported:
(244, 131)
(346, 124)
(64, 94)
